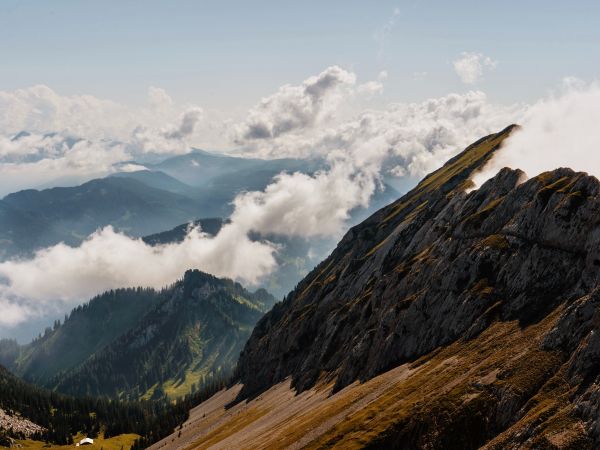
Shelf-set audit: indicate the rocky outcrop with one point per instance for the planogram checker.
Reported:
(441, 267)
(18, 425)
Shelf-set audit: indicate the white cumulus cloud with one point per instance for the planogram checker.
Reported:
(470, 66)
(294, 108)
(51, 139)
(415, 136)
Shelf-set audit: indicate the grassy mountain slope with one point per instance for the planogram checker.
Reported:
(446, 399)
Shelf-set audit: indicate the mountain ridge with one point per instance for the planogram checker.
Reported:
(448, 319)
(367, 239)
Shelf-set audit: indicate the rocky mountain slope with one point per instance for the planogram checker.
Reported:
(141, 343)
(448, 319)
(373, 303)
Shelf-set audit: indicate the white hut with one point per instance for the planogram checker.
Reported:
(85, 441)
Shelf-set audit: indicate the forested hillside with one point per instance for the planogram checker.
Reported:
(144, 344)
(37, 414)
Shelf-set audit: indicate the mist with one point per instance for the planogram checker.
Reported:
(558, 131)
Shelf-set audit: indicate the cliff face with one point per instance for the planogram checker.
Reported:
(511, 267)
(368, 306)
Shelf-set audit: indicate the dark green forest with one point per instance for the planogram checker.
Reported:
(133, 344)
(64, 416)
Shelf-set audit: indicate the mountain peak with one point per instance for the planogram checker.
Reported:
(437, 265)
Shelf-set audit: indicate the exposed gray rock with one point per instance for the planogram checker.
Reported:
(439, 265)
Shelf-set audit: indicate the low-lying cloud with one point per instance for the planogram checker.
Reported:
(295, 204)
(61, 276)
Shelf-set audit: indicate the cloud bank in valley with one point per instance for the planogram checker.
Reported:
(403, 139)
(61, 276)
(297, 204)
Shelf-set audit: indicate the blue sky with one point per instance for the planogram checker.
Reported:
(227, 54)
(136, 80)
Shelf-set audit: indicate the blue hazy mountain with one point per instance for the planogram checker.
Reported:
(159, 203)
(32, 219)
(178, 190)
(204, 169)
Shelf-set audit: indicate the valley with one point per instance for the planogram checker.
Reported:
(299, 225)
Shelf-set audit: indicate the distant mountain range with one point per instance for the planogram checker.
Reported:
(217, 173)
(158, 203)
(142, 343)
(178, 190)
(33, 219)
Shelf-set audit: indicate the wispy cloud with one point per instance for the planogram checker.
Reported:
(383, 33)
(558, 131)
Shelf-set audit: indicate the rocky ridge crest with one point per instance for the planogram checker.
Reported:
(440, 267)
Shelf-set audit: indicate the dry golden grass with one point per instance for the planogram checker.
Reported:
(449, 384)
(123, 441)
(475, 154)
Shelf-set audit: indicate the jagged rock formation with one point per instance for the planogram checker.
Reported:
(338, 314)
(490, 297)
